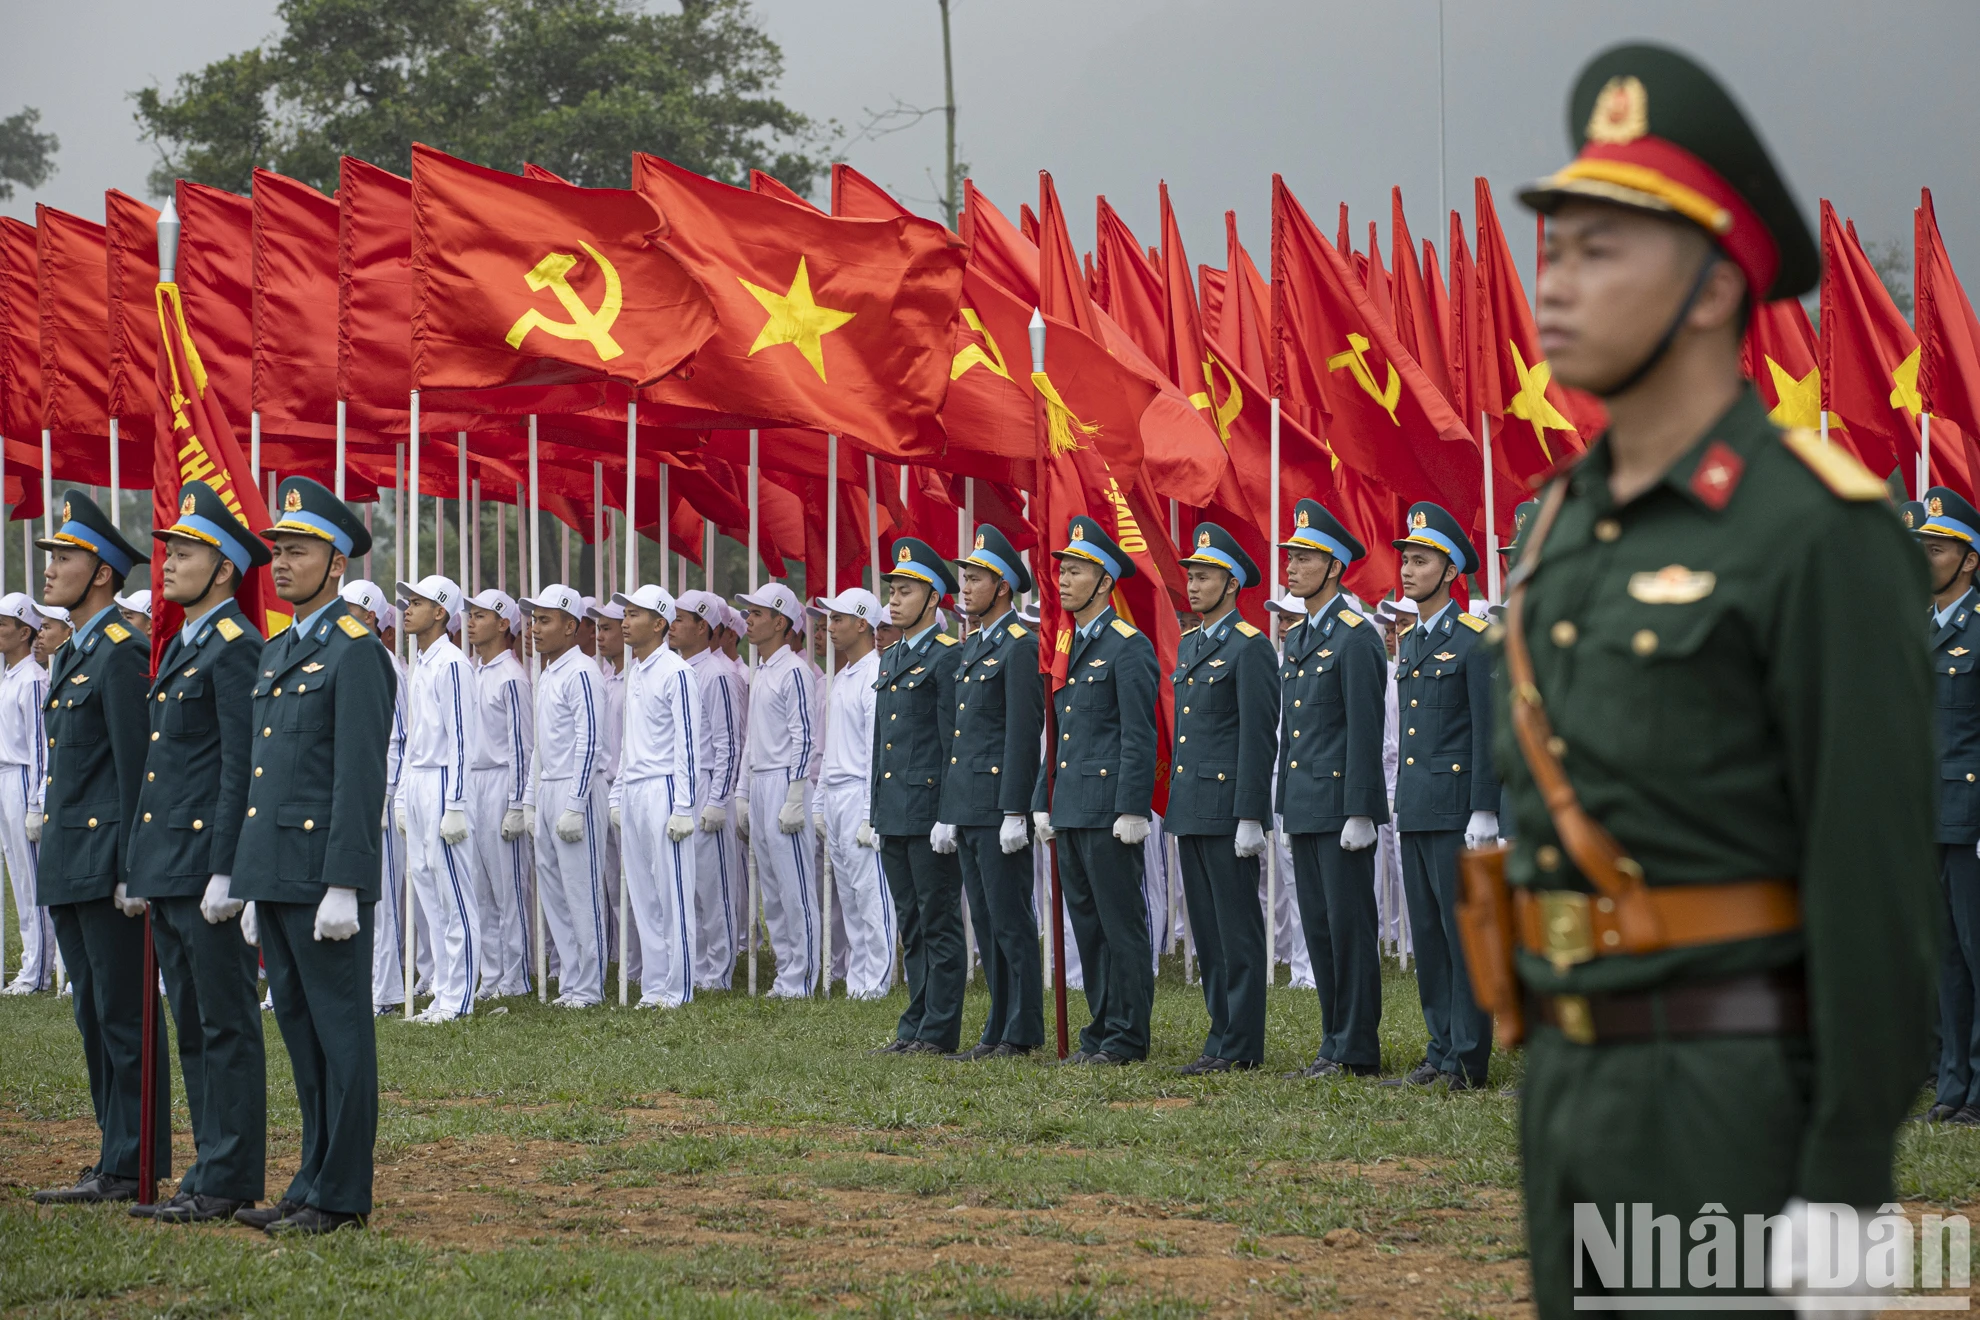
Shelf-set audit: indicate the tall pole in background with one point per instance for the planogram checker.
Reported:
(1442, 209)
(831, 661)
(1058, 913)
(339, 477)
(749, 926)
(1272, 844)
(1491, 522)
(405, 640)
(536, 677)
(116, 474)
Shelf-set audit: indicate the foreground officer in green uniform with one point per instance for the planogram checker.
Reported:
(1947, 533)
(190, 812)
(1332, 790)
(96, 727)
(912, 736)
(1715, 664)
(308, 855)
(1102, 792)
(1220, 796)
(993, 767)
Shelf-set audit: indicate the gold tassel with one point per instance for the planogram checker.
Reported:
(1062, 429)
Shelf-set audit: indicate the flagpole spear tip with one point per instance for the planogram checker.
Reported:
(1037, 328)
(168, 242)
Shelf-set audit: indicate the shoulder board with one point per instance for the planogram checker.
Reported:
(228, 629)
(351, 627)
(116, 632)
(1015, 630)
(1834, 466)
(945, 639)
(1124, 628)
(1472, 622)
(1350, 618)
(1245, 628)
(1187, 631)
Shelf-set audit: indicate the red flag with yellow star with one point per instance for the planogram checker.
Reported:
(1780, 356)
(1869, 356)
(1949, 340)
(842, 325)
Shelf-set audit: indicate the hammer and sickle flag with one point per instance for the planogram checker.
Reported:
(534, 282)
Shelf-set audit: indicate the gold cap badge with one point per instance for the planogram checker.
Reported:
(292, 502)
(70, 517)
(1934, 506)
(1302, 519)
(1908, 517)
(1622, 112)
(1419, 519)
(1078, 532)
(1203, 540)
(904, 555)
(187, 505)
(979, 540)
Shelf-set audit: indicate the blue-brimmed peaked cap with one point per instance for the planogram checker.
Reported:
(917, 561)
(1522, 516)
(1948, 514)
(1219, 549)
(309, 509)
(1912, 514)
(204, 517)
(1430, 525)
(1316, 529)
(993, 550)
(1088, 540)
(87, 527)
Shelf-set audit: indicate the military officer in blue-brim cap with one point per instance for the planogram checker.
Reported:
(1949, 535)
(1220, 795)
(1447, 795)
(308, 857)
(1333, 793)
(993, 766)
(96, 743)
(1912, 514)
(1098, 792)
(190, 813)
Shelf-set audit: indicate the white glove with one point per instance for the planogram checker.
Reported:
(864, 835)
(570, 826)
(250, 925)
(1131, 830)
(385, 815)
(817, 822)
(679, 826)
(34, 827)
(399, 816)
(529, 820)
(453, 826)
(130, 907)
(1841, 1268)
(942, 838)
(742, 817)
(615, 819)
(790, 816)
(337, 914)
(1357, 834)
(713, 818)
(1250, 839)
(218, 904)
(514, 825)
(1482, 830)
(1041, 826)
(1012, 836)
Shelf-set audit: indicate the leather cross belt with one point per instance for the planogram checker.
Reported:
(1566, 926)
(1762, 1004)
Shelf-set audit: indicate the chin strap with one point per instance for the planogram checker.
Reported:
(1091, 596)
(1645, 367)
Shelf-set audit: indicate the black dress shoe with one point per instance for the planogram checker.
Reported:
(1102, 1059)
(267, 1214)
(1967, 1116)
(1459, 1082)
(921, 1047)
(972, 1054)
(1076, 1057)
(91, 1189)
(311, 1222)
(894, 1046)
(198, 1209)
(1242, 1065)
(157, 1208)
(1205, 1063)
(1006, 1050)
(1938, 1113)
(1318, 1068)
(1421, 1075)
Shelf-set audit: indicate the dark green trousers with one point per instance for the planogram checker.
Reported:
(1228, 925)
(927, 890)
(103, 951)
(322, 993)
(1672, 1124)
(1336, 893)
(210, 978)
(1101, 879)
(999, 891)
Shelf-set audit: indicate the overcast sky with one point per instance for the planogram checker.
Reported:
(1861, 103)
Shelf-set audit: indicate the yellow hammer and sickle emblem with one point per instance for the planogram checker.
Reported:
(1222, 413)
(595, 328)
(1356, 363)
(986, 354)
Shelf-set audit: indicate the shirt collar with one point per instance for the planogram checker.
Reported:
(1430, 623)
(1222, 627)
(1093, 626)
(1939, 617)
(83, 633)
(916, 642)
(303, 626)
(1590, 477)
(997, 624)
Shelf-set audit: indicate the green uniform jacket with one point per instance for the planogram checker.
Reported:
(194, 797)
(912, 733)
(96, 746)
(1735, 664)
(1105, 749)
(322, 716)
(1227, 717)
(1000, 709)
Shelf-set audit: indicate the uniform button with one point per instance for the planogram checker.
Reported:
(154, 738)
(1103, 774)
(1295, 703)
(1185, 738)
(199, 824)
(952, 760)
(1186, 709)
(1412, 703)
(1177, 770)
(1412, 733)
(890, 747)
(1409, 760)
(1455, 766)
(266, 732)
(161, 698)
(888, 775)
(956, 734)
(150, 775)
(1302, 673)
(893, 717)
(1416, 673)
(993, 769)
(1220, 776)
(1337, 774)
(1557, 746)
(1644, 642)
(1295, 733)
(1062, 765)
(1064, 737)
(1608, 529)
(278, 692)
(92, 822)
(959, 705)
(147, 818)
(1563, 633)
(1294, 765)
(1190, 683)
(1969, 779)
(257, 772)
(251, 811)
(308, 825)
(301, 688)
(893, 687)
(1547, 857)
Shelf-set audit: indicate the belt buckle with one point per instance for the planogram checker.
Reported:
(1572, 1016)
(1568, 931)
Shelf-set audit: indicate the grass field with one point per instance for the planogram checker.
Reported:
(741, 1157)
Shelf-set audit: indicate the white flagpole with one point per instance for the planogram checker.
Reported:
(754, 518)
(461, 503)
(405, 641)
(873, 526)
(1491, 521)
(831, 660)
(47, 484)
(254, 441)
(340, 448)
(116, 471)
(1924, 453)
(1271, 840)
(474, 524)
(536, 677)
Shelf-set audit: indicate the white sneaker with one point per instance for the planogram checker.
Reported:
(18, 986)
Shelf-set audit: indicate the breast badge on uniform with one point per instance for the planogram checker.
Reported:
(1672, 585)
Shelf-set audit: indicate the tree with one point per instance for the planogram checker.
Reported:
(575, 86)
(1891, 260)
(27, 157)
(901, 116)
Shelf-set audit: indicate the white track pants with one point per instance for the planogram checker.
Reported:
(442, 877)
(1289, 933)
(570, 877)
(863, 897)
(388, 930)
(501, 885)
(718, 893)
(659, 889)
(788, 882)
(37, 930)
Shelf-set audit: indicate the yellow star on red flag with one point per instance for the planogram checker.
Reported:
(795, 319)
